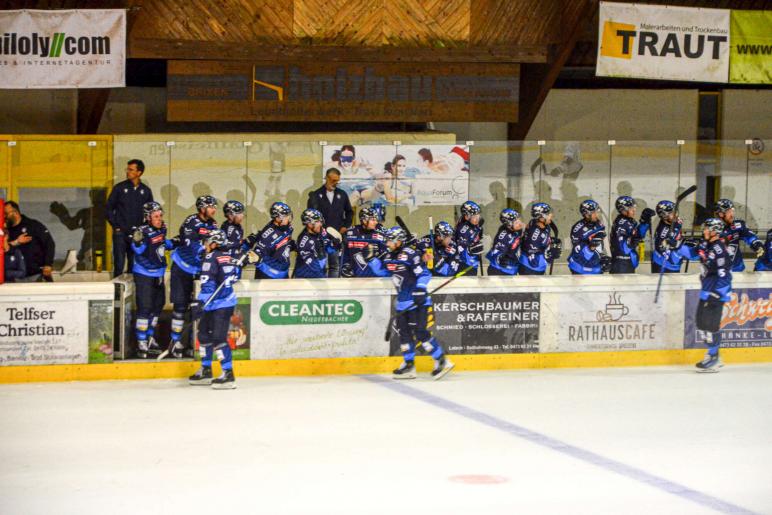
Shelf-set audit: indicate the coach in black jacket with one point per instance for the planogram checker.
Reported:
(124, 212)
(33, 240)
(335, 206)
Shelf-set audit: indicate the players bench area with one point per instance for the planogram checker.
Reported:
(83, 330)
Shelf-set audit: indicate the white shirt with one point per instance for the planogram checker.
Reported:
(330, 195)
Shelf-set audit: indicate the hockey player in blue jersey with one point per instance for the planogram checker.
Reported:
(537, 248)
(234, 232)
(414, 317)
(764, 262)
(362, 247)
(503, 255)
(149, 245)
(626, 234)
(218, 268)
(186, 265)
(273, 244)
(587, 252)
(716, 280)
(667, 240)
(449, 258)
(314, 246)
(735, 231)
(469, 232)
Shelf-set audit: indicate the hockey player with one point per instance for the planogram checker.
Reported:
(667, 240)
(234, 233)
(626, 234)
(314, 246)
(764, 262)
(219, 267)
(449, 258)
(587, 256)
(186, 265)
(734, 231)
(273, 244)
(537, 247)
(149, 245)
(503, 255)
(414, 317)
(716, 279)
(469, 232)
(363, 245)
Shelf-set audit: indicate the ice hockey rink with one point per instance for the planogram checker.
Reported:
(626, 440)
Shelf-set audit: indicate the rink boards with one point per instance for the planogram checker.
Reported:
(305, 327)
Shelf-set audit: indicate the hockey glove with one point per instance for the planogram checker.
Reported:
(419, 297)
(137, 236)
(555, 249)
(646, 216)
(691, 242)
(196, 310)
(605, 263)
(476, 249)
(758, 247)
(371, 251)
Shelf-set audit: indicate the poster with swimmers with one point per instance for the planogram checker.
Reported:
(404, 175)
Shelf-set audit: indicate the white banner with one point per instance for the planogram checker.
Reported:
(607, 321)
(44, 333)
(321, 324)
(663, 42)
(63, 49)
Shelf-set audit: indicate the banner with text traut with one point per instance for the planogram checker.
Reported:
(663, 42)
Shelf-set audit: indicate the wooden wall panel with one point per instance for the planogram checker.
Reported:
(430, 23)
(339, 22)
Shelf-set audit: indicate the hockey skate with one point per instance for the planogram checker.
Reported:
(177, 350)
(202, 377)
(442, 367)
(405, 371)
(153, 349)
(709, 364)
(226, 381)
(142, 349)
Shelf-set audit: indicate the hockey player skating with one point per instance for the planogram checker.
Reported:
(764, 262)
(716, 279)
(469, 231)
(149, 245)
(735, 231)
(667, 240)
(449, 258)
(273, 244)
(215, 309)
(503, 255)
(314, 245)
(538, 248)
(587, 236)
(414, 317)
(626, 234)
(186, 265)
(362, 246)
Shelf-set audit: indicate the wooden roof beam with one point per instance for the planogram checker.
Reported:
(140, 48)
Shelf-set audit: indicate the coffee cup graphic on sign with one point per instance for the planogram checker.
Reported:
(614, 311)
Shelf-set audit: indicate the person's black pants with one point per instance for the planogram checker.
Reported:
(122, 253)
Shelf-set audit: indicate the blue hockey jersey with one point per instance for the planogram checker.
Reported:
(218, 267)
(189, 253)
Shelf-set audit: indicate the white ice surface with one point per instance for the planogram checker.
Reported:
(344, 445)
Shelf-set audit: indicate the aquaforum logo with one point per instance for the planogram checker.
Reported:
(38, 45)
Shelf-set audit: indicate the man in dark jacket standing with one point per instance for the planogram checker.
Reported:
(124, 212)
(33, 240)
(335, 206)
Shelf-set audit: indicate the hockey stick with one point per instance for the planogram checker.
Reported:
(554, 228)
(438, 288)
(431, 238)
(239, 263)
(666, 256)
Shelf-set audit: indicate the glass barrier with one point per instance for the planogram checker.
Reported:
(64, 181)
